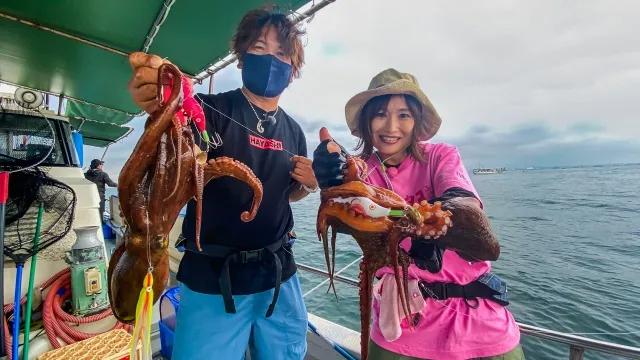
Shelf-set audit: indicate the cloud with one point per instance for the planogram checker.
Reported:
(540, 146)
(482, 62)
(516, 83)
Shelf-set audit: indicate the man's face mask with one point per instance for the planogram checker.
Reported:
(265, 75)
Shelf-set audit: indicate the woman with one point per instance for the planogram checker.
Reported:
(463, 314)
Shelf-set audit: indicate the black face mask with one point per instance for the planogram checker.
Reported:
(265, 75)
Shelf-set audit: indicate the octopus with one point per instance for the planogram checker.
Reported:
(165, 170)
(378, 219)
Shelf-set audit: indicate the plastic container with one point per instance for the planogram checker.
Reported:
(166, 340)
(107, 232)
(169, 304)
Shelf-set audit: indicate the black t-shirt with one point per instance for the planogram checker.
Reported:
(226, 198)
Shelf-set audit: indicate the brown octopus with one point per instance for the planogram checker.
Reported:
(165, 170)
(378, 236)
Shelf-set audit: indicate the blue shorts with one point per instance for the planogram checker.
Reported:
(205, 331)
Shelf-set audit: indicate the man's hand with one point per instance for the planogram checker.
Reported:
(302, 172)
(143, 85)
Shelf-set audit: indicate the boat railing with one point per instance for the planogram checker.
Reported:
(577, 344)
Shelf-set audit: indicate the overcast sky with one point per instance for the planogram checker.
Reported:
(517, 83)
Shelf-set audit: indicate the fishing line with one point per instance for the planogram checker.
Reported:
(241, 125)
(245, 127)
(336, 274)
(382, 162)
(264, 138)
(146, 211)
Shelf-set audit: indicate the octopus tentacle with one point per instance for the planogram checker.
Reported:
(198, 173)
(322, 231)
(334, 235)
(186, 190)
(146, 149)
(225, 166)
(436, 220)
(366, 288)
(393, 245)
(178, 167)
(177, 125)
(158, 183)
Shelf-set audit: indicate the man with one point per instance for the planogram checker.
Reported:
(242, 291)
(101, 179)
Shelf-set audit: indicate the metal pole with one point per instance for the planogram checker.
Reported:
(576, 353)
(580, 341)
(15, 341)
(160, 18)
(229, 59)
(334, 275)
(60, 101)
(4, 195)
(105, 152)
(317, 271)
(211, 84)
(32, 275)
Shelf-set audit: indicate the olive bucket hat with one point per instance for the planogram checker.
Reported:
(393, 82)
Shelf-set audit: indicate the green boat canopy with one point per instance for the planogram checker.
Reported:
(79, 49)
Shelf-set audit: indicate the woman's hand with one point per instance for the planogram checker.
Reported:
(143, 85)
(329, 161)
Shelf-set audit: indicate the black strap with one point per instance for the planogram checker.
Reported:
(233, 255)
(276, 290)
(471, 291)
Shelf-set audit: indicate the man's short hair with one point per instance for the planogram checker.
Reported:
(250, 28)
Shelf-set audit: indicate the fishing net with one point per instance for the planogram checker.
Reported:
(28, 139)
(29, 189)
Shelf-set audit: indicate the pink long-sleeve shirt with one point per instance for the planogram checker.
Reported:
(447, 329)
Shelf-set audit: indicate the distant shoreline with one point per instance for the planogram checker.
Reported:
(548, 167)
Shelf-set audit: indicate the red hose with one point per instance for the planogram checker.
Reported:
(55, 318)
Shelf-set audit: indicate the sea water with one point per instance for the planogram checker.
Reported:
(570, 253)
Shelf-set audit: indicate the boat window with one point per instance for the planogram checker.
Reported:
(26, 139)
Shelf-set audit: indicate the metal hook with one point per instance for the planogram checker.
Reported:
(215, 141)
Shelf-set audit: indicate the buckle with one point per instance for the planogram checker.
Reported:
(250, 255)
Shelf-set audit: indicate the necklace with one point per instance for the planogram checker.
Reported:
(271, 119)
